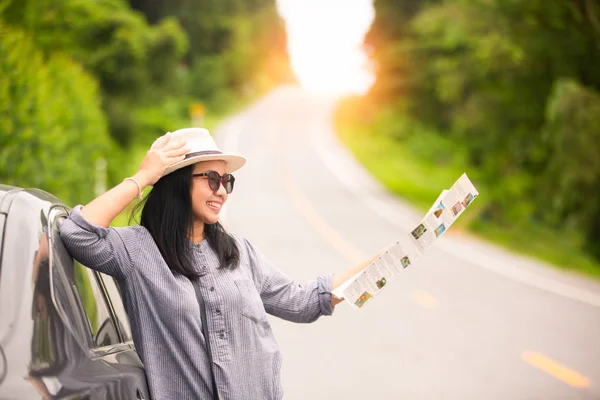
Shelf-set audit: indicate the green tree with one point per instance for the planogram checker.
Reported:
(516, 82)
(52, 128)
(134, 62)
(232, 43)
(570, 185)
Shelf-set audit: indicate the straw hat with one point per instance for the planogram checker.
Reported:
(202, 148)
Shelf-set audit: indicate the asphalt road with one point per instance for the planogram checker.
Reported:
(468, 321)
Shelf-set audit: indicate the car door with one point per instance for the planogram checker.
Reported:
(128, 358)
(95, 305)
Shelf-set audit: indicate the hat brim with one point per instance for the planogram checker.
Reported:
(233, 162)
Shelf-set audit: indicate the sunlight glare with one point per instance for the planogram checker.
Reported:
(325, 43)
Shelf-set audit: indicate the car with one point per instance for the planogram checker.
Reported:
(64, 332)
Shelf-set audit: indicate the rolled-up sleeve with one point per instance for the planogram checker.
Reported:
(285, 298)
(102, 249)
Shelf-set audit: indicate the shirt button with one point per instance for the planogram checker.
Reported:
(222, 335)
(218, 311)
(212, 288)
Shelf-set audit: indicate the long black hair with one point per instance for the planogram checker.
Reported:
(166, 212)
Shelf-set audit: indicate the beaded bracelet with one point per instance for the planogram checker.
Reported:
(139, 196)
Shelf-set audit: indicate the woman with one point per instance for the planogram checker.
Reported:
(184, 279)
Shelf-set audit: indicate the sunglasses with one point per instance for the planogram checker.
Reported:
(215, 180)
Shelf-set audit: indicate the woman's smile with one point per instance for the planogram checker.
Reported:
(213, 205)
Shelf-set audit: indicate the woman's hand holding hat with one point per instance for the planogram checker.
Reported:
(164, 152)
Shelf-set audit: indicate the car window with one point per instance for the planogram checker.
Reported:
(100, 322)
(114, 294)
(82, 301)
(65, 297)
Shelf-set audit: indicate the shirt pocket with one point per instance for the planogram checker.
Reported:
(252, 306)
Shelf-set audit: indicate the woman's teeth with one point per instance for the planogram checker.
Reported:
(215, 206)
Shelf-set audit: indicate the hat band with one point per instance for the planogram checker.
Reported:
(202, 153)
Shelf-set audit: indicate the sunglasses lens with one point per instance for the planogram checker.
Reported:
(214, 180)
(228, 180)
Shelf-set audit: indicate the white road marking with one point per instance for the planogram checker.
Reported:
(341, 165)
(507, 270)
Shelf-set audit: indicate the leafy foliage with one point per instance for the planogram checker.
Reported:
(83, 80)
(570, 184)
(517, 83)
(52, 126)
(234, 45)
(132, 60)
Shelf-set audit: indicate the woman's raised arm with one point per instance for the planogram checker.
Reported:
(104, 208)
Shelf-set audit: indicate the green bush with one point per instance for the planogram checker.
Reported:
(570, 185)
(52, 129)
(132, 61)
(514, 86)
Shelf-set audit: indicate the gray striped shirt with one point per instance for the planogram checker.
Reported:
(165, 315)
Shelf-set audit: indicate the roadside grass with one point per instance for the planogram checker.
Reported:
(561, 249)
(417, 165)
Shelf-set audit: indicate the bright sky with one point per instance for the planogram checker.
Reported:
(324, 42)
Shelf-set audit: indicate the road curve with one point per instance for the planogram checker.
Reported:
(468, 321)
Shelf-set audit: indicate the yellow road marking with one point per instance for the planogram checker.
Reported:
(555, 369)
(424, 298)
(318, 223)
(322, 227)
